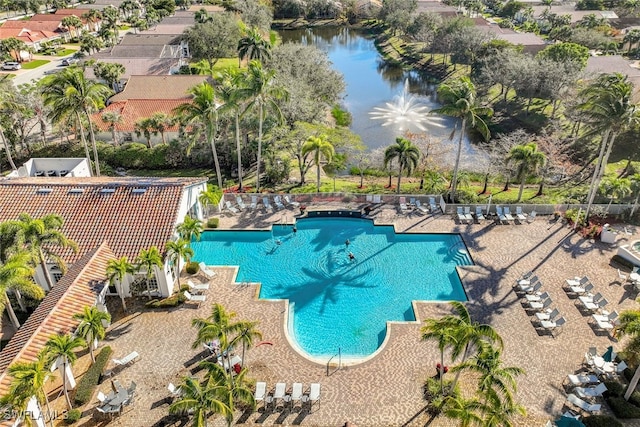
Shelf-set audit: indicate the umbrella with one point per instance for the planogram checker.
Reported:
(607, 356)
(566, 421)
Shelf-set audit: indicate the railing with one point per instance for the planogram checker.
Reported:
(336, 367)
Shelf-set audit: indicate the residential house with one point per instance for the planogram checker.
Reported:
(33, 32)
(530, 42)
(614, 64)
(569, 9)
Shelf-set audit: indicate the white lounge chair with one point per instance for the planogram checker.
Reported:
(532, 216)
(621, 367)
(101, 397)
(519, 215)
(175, 391)
(532, 290)
(261, 391)
(588, 407)
(296, 394)
(536, 297)
(278, 203)
(240, 203)
(479, 214)
(206, 270)
(279, 392)
(582, 379)
(540, 305)
(581, 290)
(577, 281)
(551, 325)
(402, 203)
(266, 204)
(422, 208)
(254, 202)
(467, 214)
(526, 285)
(129, 358)
(377, 199)
(230, 208)
(507, 214)
(198, 287)
(290, 202)
(314, 394)
(590, 298)
(501, 217)
(611, 317)
(590, 392)
(547, 316)
(461, 215)
(432, 204)
(198, 299)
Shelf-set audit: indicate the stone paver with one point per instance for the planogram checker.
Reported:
(386, 391)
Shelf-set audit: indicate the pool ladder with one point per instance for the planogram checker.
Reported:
(333, 368)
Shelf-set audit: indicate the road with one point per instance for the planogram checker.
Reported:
(27, 76)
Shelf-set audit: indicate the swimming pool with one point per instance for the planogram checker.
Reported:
(334, 302)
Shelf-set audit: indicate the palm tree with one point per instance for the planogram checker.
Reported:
(63, 347)
(632, 38)
(229, 389)
(210, 197)
(112, 118)
(91, 327)
(635, 187)
(176, 251)
(440, 331)
(199, 400)
(189, 229)
(28, 379)
(609, 109)
(146, 261)
(69, 92)
(321, 148)
(615, 189)
(92, 16)
(117, 270)
(264, 97)
(41, 237)
(463, 410)
(247, 333)
(72, 22)
(253, 46)
(498, 413)
(5, 87)
(629, 324)
(405, 153)
(204, 109)
(145, 128)
(16, 274)
(528, 160)
(459, 100)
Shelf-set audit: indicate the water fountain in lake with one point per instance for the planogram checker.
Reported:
(406, 110)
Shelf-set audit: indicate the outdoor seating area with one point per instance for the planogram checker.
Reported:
(537, 303)
(113, 403)
(288, 397)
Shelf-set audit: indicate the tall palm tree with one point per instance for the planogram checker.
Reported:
(264, 97)
(117, 270)
(405, 153)
(146, 261)
(459, 99)
(629, 324)
(6, 86)
(233, 92)
(229, 389)
(69, 92)
(203, 109)
(247, 333)
(16, 274)
(632, 38)
(321, 149)
(439, 330)
(177, 250)
(28, 379)
(112, 118)
(210, 197)
(63, 347)
(91, 327)
(189, 229)
(498, 413)
(253, 46)
(609, 109)
(199, 400)
(464, 410)
(528, 160)
(43, 238)
(615, 189)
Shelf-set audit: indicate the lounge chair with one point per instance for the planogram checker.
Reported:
(261, 391)
(479, 214)
(540, 305)
(581, 290)
(129, 358)
(526, 285)
(422, 208)
(577, 281)
(240, 203)
(296, 393)
(590, 392)
(532, 216)
(611, 317)
(266, 204)
(198, 299)
(377, 199)
(622, 276)
(582, 379)
(584, 299)
(279, 392)
(532, 290)
(507, 214)
(412, 201)
(369, 198)
(551, 325)
(432, 204)
(278, 203)
(254, 202)
(621, 367)
(501, 217)
(198, 287)
(206, 270)
(314, 394)
(467, 213)
(402, 204)
(519, 215)
(101, 397)
(289, 202)
(536, 297)
(547, 317)
(460, 215)
(230, 208)
(588, 407)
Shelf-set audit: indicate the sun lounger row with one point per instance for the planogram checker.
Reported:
(282, 394)
(278, 202)
(505, 216)
(415, 205)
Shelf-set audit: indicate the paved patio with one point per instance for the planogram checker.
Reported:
(386, 391)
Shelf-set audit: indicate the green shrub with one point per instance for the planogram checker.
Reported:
(72, 416)
(192, 267)
(617, 259)
(342, 117)
(614, 389)
(213, 222)
(601, 421)
(172, 301)
(87, 384)
(623, 409)
(634, 398)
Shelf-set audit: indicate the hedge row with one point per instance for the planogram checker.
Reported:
(88, 383)
(601, 421)
(622, 408)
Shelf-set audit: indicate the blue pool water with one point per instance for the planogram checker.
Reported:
(334, 302)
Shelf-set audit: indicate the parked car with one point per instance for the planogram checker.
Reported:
(10, 66)
(69, 61)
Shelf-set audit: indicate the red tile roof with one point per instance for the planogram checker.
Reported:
(51, 26)
(159, 87)
(128, 221)
(133, 110)
(78, 288)
(27, 36)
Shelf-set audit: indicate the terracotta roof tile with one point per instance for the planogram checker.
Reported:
(136, 109)
(78, 288)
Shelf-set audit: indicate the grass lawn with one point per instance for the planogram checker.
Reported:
(224, 63)
(34, 64)
(65, 52)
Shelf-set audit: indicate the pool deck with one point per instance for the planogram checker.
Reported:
(386, 391)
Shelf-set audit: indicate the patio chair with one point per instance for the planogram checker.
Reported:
(402, 204)
(377, 199)
(206, 270)
(266, 204)
(101, 397)
(525, 285)
(462, 218)
(296, 394)
(432, 204)
(175, 391)
(231, 208)
(532, 216)
(422, 208)
(622, 276)
(547, 316)
(507, 214)
(198, 287)
(240, 203)
(254, 202)
(279, 392)
(551, 325)
(412, 201)
(314, 394)
(536, 297)
(290, 202)
(520, 216)
(532, 290)
(584, 299)
(278, 203)
(581, 290)
(198, 299)
(582, 379)
(611, 317)
(588, 407)
(590, 392)
(129, 358)
(621, 367)
(261, 391)
(577, 281)
(467, 213)
(540, 305)
(479, 214)
(501, 217)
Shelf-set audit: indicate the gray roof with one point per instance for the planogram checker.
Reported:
(139, 66)
(576, 15)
